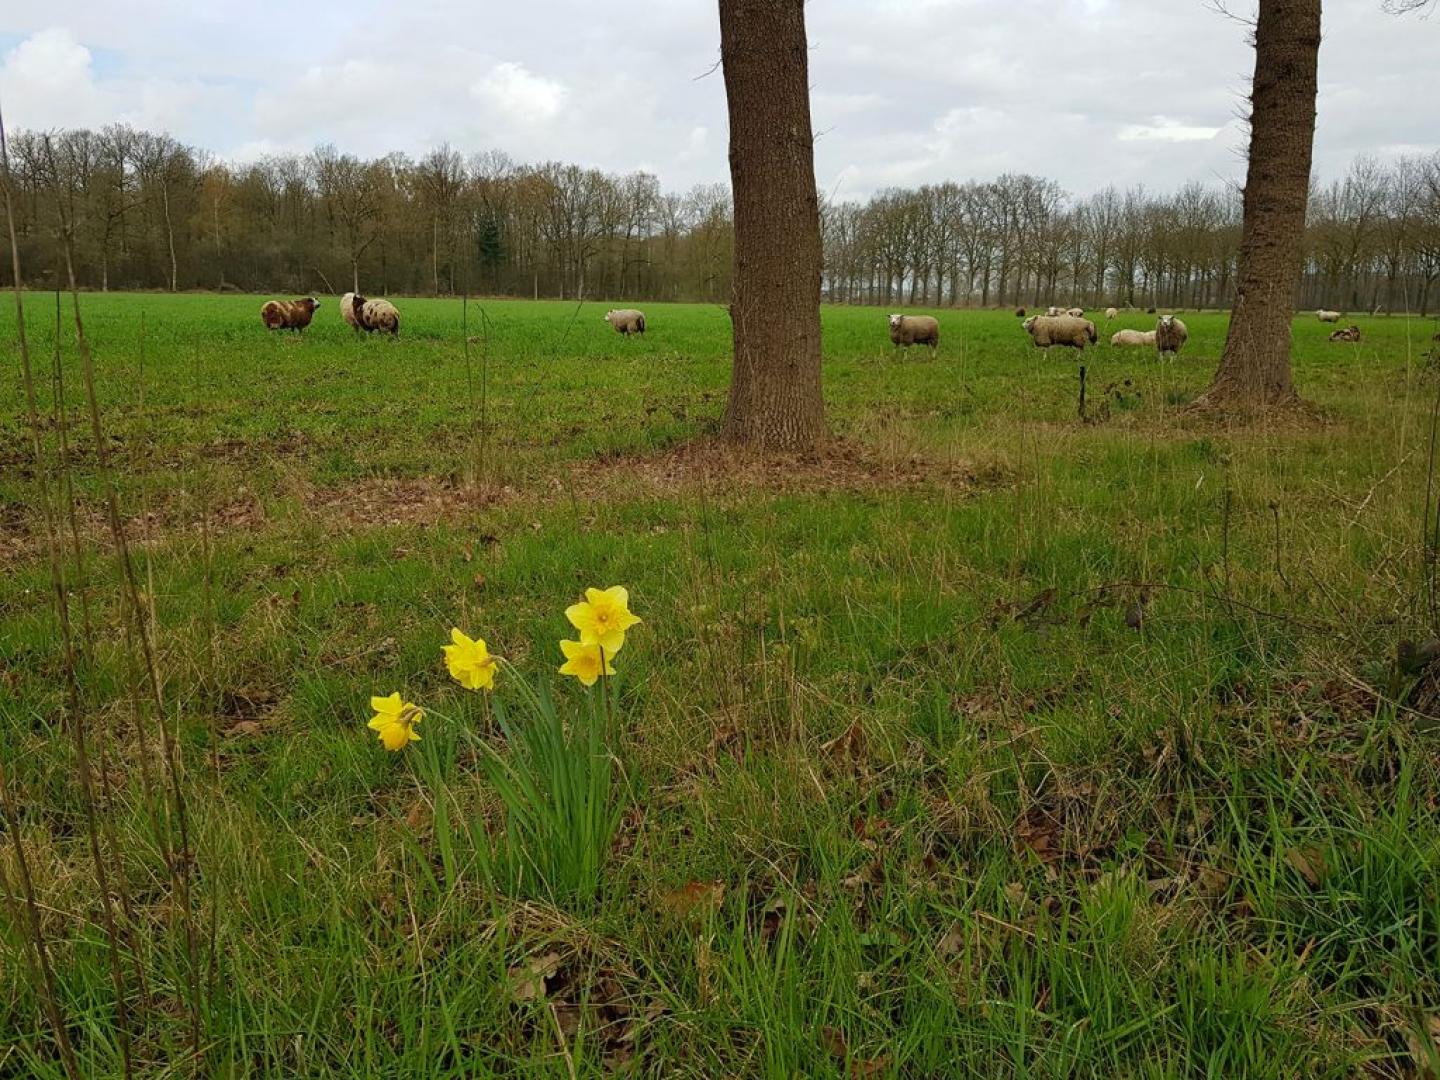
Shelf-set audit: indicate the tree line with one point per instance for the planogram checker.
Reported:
(151, 213)
(1372, 241)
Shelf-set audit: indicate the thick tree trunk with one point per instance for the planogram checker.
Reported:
(1254, 370)
(775, 399)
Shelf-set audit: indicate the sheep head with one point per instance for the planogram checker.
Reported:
(895, 321)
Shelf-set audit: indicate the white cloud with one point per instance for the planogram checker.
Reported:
(517, 93)
(47, 81)
(1165, 129)
(904, 91)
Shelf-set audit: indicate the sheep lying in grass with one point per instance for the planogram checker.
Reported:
(1348, 333)
(626, 321)
(373, 315)
(1067, 330)
(1110, 314)
(1327, 316)
(288, 314)
(1170, 335)
(1133, 337)
(910, 330)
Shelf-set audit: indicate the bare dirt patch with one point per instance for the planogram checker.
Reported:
(840, 465)
(425, 500)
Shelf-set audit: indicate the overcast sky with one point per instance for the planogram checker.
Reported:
(1087, 92)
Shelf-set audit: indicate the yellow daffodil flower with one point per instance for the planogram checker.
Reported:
(583, 661)
(470, 662)
(603, 618)
(394, 721)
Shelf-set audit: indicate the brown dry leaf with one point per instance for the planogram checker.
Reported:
(868, 1066)
(527, 980)
(242, 728)
(872, 873)
(849, 743)
(567, 1019)
(833, 1040)
(415, 816)
(1424, 1048)
(1309, 862)
(694, 898)
(1039, 833)
(952, 944)
(867, 828)
(478, 581)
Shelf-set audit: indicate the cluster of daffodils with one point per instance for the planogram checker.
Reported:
(602, 620)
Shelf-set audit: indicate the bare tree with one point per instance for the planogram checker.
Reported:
(1254, 369)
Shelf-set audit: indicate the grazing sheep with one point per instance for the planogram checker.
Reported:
(1170, 335)
(372, 315)
(626, 321)
(1075, 312)
(1348, 333)
(347, 310)
(910, 330)
(1019, 312)
(1149, 311)
(1110, 314)
(1052, 311)
(288, 314)
(1133, 337)
(1327, 316)
(1067, 330)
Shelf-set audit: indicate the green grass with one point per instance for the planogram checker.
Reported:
(930, 833)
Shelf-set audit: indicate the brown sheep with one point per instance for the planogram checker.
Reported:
(1170, 335)
(1349, 333)
(1019, 312)
(373, 315)
(288, 314)
(1067, 330)
(910, 330)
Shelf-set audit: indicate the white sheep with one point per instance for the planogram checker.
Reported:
(910, 330)
(1133, 337)
(626, 321)
(1067, 330)
(1075, 312)
(1110, 314)
(1327, 316)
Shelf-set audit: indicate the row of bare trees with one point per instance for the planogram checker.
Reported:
(1372, 241)
(152, 213)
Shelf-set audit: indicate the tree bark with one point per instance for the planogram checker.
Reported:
(775, 398)
(1254, 372)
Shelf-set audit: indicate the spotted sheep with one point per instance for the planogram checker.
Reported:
(288, 314)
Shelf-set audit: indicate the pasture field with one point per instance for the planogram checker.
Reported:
(989, 741)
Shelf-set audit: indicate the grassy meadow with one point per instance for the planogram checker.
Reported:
(990, 740)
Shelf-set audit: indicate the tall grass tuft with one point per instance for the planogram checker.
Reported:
(561, 810)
